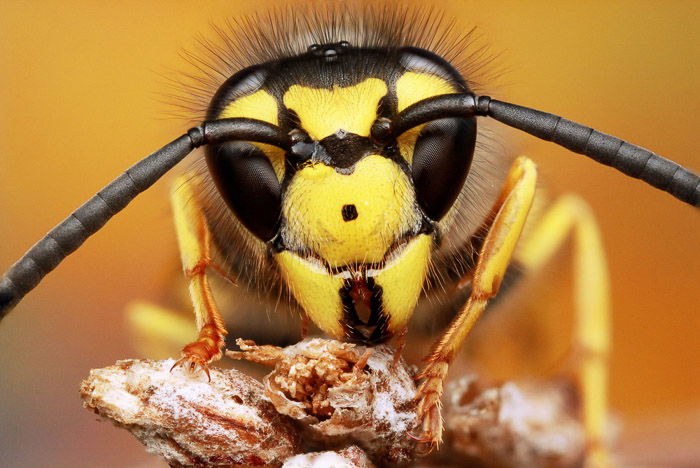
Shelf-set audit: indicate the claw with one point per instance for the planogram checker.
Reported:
(418, 438)
(428, 409)
(427, 444)
(431, 422)
(199, 353)
(195, 362)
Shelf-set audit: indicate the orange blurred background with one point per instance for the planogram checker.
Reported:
(80, 101)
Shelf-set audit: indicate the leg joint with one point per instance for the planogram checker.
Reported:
(198, 269)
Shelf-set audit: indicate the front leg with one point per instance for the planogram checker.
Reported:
(509, 214)
(194, 240)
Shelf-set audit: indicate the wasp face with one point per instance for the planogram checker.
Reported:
(351, 222)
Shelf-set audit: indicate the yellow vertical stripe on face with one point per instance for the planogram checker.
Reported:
(407, 142)
(260, 105)
(323, 112)
(316, 291)
(402, 280)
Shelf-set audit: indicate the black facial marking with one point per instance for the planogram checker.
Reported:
(343, 149)
(349, 212)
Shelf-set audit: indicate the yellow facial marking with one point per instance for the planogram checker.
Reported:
(383, 198)
(323, 112)
(407, 142)
(402, 280)
(316, 291)
(260, 105)
(412, 87)
(380, 193)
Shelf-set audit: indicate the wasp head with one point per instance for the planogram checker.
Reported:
(351, 219)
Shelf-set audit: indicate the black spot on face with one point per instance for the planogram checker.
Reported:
(349, 212)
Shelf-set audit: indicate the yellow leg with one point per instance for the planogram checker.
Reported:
(194, 241)
(592, 296)
(510, 213)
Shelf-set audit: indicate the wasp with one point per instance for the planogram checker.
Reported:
(342, 163)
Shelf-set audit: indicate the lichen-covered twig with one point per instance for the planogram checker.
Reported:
(346, 404)
(343, 394)
(189, 421)
(528, 424)
(350, 457)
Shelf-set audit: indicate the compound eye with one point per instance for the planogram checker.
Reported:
(247, 182)
(441, 160)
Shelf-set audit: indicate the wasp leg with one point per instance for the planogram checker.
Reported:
(509, 215)
(592, 331)
(194, 240)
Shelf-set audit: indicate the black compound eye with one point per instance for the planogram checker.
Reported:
(247, 182)
(441, 160)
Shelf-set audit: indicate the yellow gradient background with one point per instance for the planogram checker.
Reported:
(79, 102)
